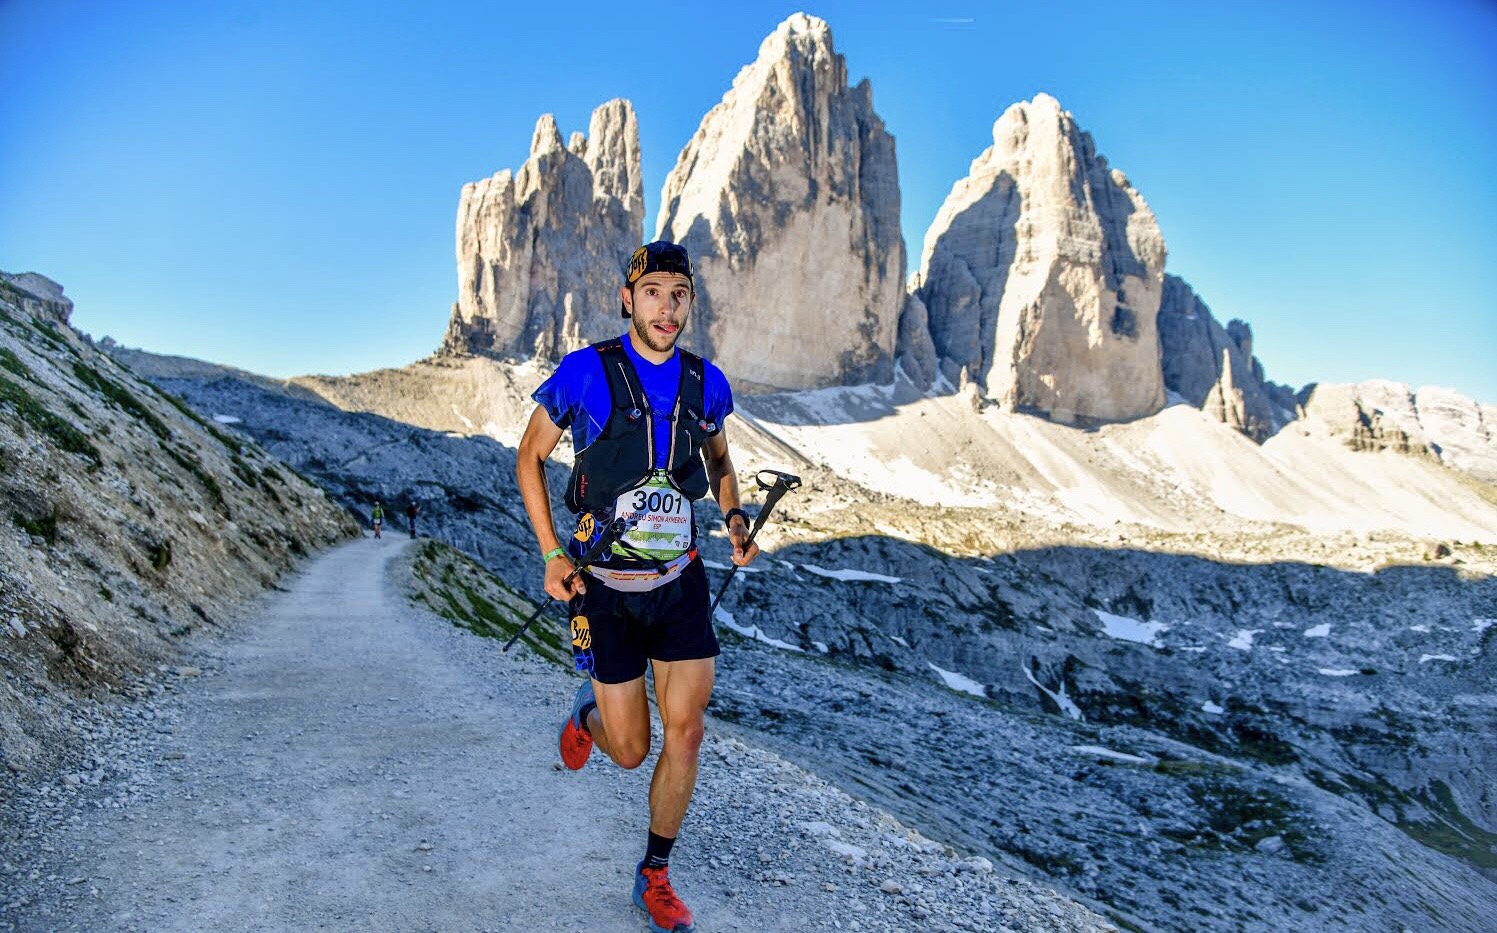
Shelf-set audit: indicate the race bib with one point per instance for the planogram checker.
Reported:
(660, 517)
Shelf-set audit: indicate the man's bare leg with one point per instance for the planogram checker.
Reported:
(682, 689)
(620, 725)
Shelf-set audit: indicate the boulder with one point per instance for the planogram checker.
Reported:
(787, 198)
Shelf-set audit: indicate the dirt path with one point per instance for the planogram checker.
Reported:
(337, 741)
(348, 762)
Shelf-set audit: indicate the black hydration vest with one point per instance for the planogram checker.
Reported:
(623, 456)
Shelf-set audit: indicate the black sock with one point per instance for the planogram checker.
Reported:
(658, 851)
(583, 713)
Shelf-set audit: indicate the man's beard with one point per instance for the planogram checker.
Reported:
(653, 340)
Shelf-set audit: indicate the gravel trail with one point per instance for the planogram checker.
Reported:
(349, 762)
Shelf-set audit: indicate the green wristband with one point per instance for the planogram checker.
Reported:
(554, 552)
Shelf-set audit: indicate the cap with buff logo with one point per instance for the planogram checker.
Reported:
(660, 256)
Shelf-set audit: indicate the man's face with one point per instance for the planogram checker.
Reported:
(658, 304)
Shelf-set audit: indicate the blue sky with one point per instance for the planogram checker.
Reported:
(274, 185)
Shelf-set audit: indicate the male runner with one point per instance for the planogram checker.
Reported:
(377, 516)
(642, 414)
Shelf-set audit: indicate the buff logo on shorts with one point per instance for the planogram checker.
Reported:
(582, 645)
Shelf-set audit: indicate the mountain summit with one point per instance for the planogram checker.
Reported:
(539, 251)
(787, 198)
(1042, 274)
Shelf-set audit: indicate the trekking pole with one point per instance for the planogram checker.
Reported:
(783, 483)
(611, 533)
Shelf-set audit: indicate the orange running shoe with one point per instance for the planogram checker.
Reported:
(653, 895)
(576, 741)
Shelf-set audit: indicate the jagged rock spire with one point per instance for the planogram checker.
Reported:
(1041, 275)
(539, 251)
(787, 199)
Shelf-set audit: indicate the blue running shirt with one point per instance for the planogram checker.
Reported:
(576, 395)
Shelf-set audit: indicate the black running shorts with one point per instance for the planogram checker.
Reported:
(615, 633)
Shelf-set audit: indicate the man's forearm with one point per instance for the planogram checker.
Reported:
(530, 473)
(724, 482)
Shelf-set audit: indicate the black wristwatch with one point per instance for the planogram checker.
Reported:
(728, 518)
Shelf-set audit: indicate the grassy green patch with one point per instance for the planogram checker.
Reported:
(55, 429)
(12, 363)
(120, 396)
(160, 555)
(42, 527)
(105, 594)
(1241, 817)
(1451, 831)
(469, 596)
(1184, 767)
(49, 333)
(191, 464)
(244, 471)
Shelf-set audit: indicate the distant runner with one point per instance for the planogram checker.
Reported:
(377, 517)
(412, 509)
(642, 414)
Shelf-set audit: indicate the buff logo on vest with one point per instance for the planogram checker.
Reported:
(585, 526)
(582, 644)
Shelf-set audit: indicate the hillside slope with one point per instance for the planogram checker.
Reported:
(127, 522)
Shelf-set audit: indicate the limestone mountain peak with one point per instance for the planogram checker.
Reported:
(792, 171)
(539, 250)
(1042, 275)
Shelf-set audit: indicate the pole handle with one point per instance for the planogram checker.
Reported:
(612, 533)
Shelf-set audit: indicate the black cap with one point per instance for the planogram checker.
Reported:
(660, 256)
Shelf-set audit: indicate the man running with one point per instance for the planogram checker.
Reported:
(412, 509)
(642, 415)
(377, 517)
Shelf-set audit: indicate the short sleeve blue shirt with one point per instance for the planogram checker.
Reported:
(576, 395)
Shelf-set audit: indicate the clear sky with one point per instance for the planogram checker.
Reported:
(274, 185)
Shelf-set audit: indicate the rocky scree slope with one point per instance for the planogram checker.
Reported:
(127, 522)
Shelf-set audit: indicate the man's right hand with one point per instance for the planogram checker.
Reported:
(557, 569)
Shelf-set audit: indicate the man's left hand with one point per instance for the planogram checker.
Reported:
(744, 550)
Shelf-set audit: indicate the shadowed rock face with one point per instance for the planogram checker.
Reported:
(787, 199)
(1213, 368)
(539, 252)
(1042, 275)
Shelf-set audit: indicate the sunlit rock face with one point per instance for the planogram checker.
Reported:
(540, 252)
(36, 294)
(1042, 275)
(1433, 422)
(1213, 367)
(787, 199)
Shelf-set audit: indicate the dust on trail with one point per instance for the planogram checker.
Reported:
(343, 736)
